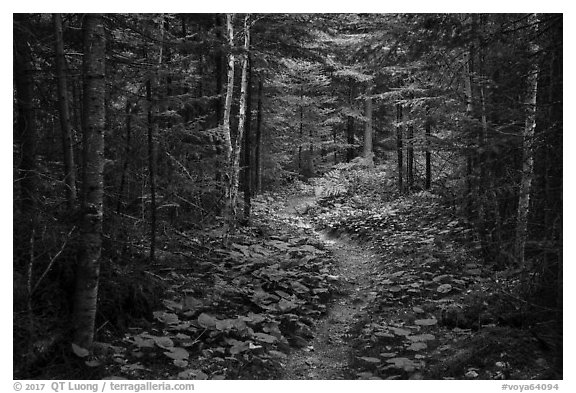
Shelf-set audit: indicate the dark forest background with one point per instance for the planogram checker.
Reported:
(130, 130)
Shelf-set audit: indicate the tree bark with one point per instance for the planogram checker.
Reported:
(350, 124)
(301, 130)
(527, 152)
(64, 111)
(410, 155)
(368, 150)
(258, 153)
(27, 133)
(469, 154)
(428, 153)
(219, 71)
(399, 146)
(88, 269)
(127, 151)
(150, 123)
(226, 120)
(248, 149)
(235, 165)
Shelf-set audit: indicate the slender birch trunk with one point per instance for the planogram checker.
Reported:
(258, 152)
(527, 152)
(88, 269)
(226, 121)
(235, 165)
(248, 149)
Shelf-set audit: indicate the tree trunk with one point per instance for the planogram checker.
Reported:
(310, 164)
(335, 139)
(126, 156)
(219, 71)
(527, 153)
(88, 269)
(27, 135)
(368, 151)
(23, 78)
(258, 153)
(428, 154)
(248, 149)
(399, 146)
(301, 130)
(235, 164)
(553, 199)
(64, 109)
(350, 124)
(152, 125)
(469, 153)
(226, 120)
(481, 190)
(410, 155)
(151, 169)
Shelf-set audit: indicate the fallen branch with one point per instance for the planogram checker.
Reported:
(52, 261)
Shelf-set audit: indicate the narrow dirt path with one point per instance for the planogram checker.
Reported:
(328, 354)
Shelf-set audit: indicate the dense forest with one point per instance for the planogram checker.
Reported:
(287, 196)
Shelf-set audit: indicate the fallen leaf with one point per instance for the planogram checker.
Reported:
(79, 351)
(180, 363)
(164, 342)
(400, 332)
(403, 363)
(207, 321)
(421, 337)
(417, 346)
(177, 353)
(192, 374)
(365, 375)
(383, 334)
(277, 354)
(267, 338)
(166, 317)
(191, 303)
(426, 322)
(253, 346)
(369, 359)
(172, 305)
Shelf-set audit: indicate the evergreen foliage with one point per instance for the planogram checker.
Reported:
(465, 109)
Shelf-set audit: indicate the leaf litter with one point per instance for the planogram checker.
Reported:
(380, 292)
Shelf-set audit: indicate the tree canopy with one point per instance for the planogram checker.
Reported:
(131, 131)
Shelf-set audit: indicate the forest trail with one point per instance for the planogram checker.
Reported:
(412, 301)
(328, 354)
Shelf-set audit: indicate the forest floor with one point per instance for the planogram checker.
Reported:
(413, 303)
(328, 353)
(330, 288)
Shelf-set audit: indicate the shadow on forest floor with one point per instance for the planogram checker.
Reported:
(324, 289)
(414, 303)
